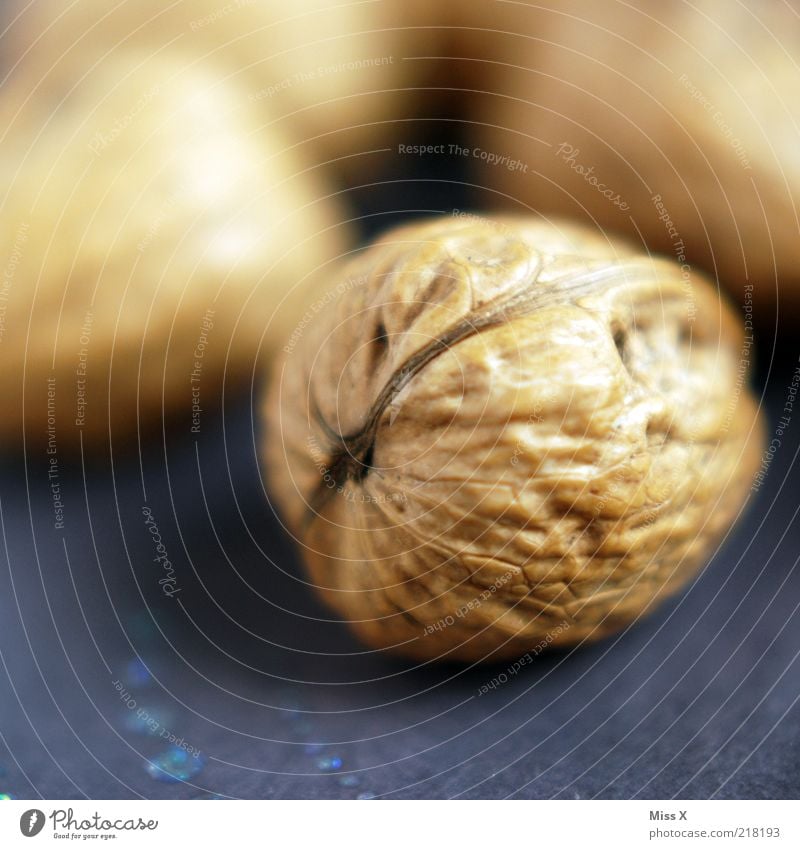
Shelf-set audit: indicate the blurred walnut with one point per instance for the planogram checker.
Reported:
(685, 112)
(155, 236)
(500, 430)
(331, 76)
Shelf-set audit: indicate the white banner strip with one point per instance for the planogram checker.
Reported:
(403, 824)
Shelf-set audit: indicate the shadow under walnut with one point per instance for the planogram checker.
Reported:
(502, 432)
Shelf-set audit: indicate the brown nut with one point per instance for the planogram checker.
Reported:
(330, 75)
(504, 432)
(154, 234)
(675, 123)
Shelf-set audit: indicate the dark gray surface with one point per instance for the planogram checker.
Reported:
(699, 700)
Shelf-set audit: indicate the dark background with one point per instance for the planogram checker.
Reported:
(699, 700)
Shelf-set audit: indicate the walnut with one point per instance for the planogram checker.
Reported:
(329, 74)
(497, 434)
(671, 122)
(154, 234)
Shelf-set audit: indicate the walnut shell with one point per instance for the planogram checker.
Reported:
(329, 75)
(504, 432)
(154, 233)
(675, 123)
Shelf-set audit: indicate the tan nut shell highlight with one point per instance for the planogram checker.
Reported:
(153, 227)
(681, 121)
(544, 434)
(331, 75)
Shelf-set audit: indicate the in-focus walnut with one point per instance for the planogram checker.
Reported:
(505, 431)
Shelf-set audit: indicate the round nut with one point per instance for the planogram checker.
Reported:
(673, 123)
(154, 233)
(330, 75)
(498, 433)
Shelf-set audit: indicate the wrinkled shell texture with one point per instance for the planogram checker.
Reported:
(504, 434)
(150, 222)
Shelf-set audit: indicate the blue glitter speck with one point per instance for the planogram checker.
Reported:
(175, 764)
(136, 673)
(349, 780)
(329, 764)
